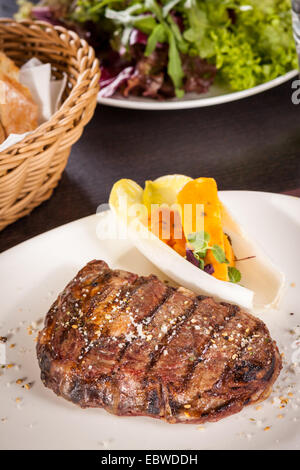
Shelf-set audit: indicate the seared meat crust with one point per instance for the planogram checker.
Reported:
(135, 346)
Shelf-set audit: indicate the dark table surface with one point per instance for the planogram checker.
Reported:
(252, 144)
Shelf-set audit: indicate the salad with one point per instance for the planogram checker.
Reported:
(187, 215)
(166, 48)
(183, 226)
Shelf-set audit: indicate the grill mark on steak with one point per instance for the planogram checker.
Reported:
(104, 299)
(153, 406)
(112, 313)
(147, 319)
(270, 372)
(141, 304)
(208, 344)
(162, 322)
(71, 343)
(115, 291)
(191, 368)
(169, 292)
(108, 350)
(162, 296)
(218, 353)
(161, 349)
(220, 409)
(193, 341)
(247, 374)
(246, 377)
(126, 293)
(185, 372)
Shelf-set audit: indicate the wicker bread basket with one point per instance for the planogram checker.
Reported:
(31, 169)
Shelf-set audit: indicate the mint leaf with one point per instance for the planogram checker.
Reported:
(219, 254)
(234, 274)
(198, 236)
(199, 242)
(205, 235)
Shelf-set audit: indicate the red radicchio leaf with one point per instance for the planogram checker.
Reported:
(199, 74)
(150, 77)
(107, 76)
(110, 85)
(137, 37)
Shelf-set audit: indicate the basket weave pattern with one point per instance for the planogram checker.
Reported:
(31, 169)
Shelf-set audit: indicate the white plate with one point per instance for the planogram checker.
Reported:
(33, 273)
(216, 95)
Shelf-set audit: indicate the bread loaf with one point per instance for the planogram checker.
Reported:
(18, 111)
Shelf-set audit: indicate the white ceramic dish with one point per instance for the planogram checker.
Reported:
(216, 95)
(33, 273)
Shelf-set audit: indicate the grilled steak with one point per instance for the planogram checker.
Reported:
(135, 346)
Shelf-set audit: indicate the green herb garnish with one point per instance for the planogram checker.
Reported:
(199, 241)
(219, 254)
(234, 274)
(200, 244)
